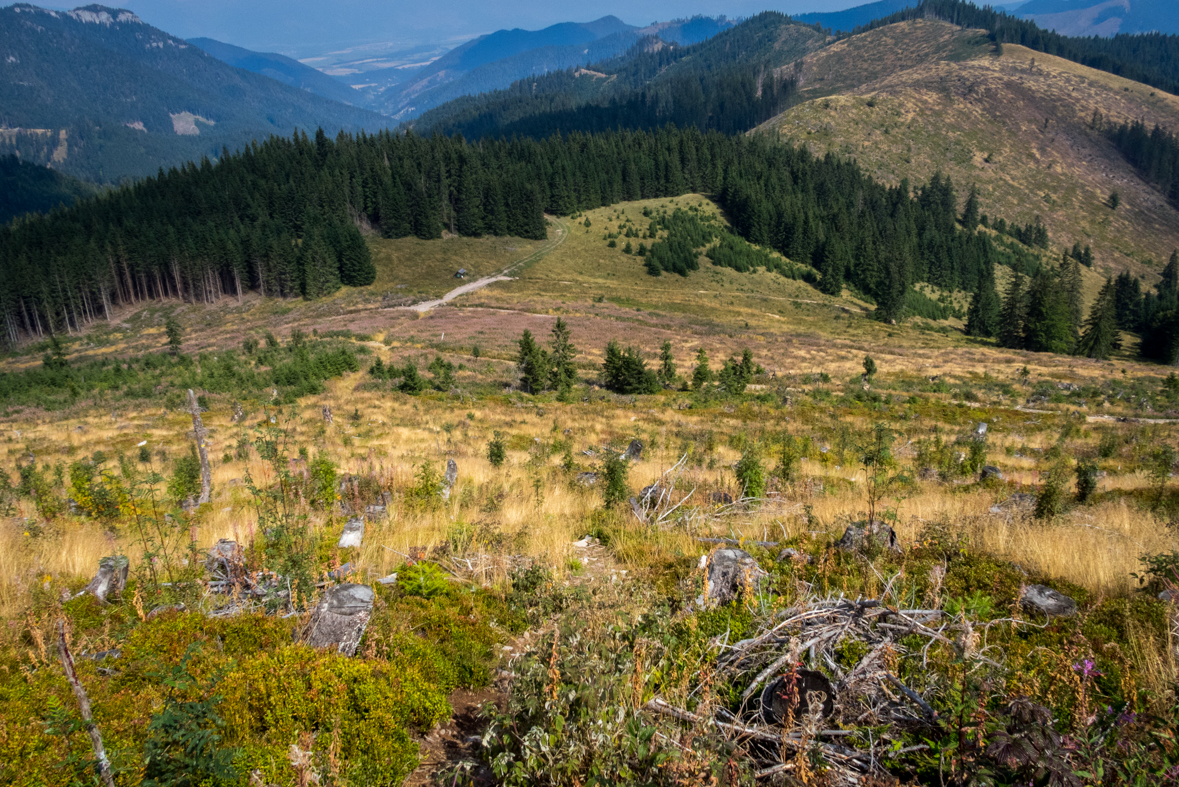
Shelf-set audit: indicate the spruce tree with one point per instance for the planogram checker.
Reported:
(1013, 315)
(412, 382)
(1048, 325)
(356, 262)
(1168, 288)
(983, 317)
(701, 375)
(563, 374)
(1070, 277)
(532, 363)
(321, 270)
(833, 268)
(667, 370)
(1100, 336)
(970, 215)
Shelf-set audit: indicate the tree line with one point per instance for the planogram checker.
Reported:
(1154, 153)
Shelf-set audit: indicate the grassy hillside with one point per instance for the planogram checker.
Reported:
(524, 580)
(911, 99)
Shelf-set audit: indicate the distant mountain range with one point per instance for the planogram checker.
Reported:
(851, 18)
(489, 62)
(1103, 17)
(280, 67)
(103, 96)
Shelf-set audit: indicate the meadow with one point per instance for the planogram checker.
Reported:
(545, 592)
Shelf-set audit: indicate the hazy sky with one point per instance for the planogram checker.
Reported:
(301, 26)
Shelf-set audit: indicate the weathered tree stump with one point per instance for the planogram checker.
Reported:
(327, 415)
(353, 535)
(111, 578)
(730, 573)
(1046, 601)
(340, 619)
(451, 477)
(796, 695)
(238, 413)
(202, 441)
(634, 451)
(868, 538)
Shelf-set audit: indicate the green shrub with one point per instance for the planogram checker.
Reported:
(751, 474)
(614, 473)
(1086, 472)
(496, 454)
(424, 580)
(1050, 500)
(321, 481)
(186, 476)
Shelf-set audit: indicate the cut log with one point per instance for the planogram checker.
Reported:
(340, 619)
(67, 664)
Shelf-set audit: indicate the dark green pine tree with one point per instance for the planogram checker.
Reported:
(356, 262)
(563, 372)
(1048, 326)
(834, 267)
(667, 370)
(533, 364)
(983, 317)
(1101, 336)
(1169, 287)
(1014, 314)
(702, 374)
(970, 215)
(894, 289)
(1074, 285)
(321, 270)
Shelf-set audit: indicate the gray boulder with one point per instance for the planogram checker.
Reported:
(730, 573)
(111, 578)
(587, 479)
(340, 619)
(1170, 596)
(1043, 600)
(868, 537)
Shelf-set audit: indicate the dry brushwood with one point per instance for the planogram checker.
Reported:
(798, 693)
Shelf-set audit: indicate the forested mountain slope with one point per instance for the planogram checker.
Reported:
(280, 68)
(29, 188)
(1019, 125)
(106, 97)
(725, 83)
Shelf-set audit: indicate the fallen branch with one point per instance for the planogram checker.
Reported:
(67, 663)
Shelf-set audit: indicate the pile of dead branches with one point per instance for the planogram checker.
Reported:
(804, 696)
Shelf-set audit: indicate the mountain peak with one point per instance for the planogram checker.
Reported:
(101, 15)
(89, 14)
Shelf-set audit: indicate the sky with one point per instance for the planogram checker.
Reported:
(304, 27)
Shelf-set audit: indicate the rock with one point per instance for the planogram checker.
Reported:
(340, 619)
(796, 695)
(586, 479)
(389, 580)
(375, 512)
(1169, 596)
(634, 451)
(865, 537)
(110, 579)
(1046, 601)
(981, 430)
(991, 472)
(730, 573)
(155, 613)
(720, 499)
(793, 554)
(353, 535)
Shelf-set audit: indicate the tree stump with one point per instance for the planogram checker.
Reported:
(202, 441)
(110, 579)
(729, 574)
(451, 477)
(353, 535)
(238, 413)
(340, 619)
(634, 451)
(327, 415)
